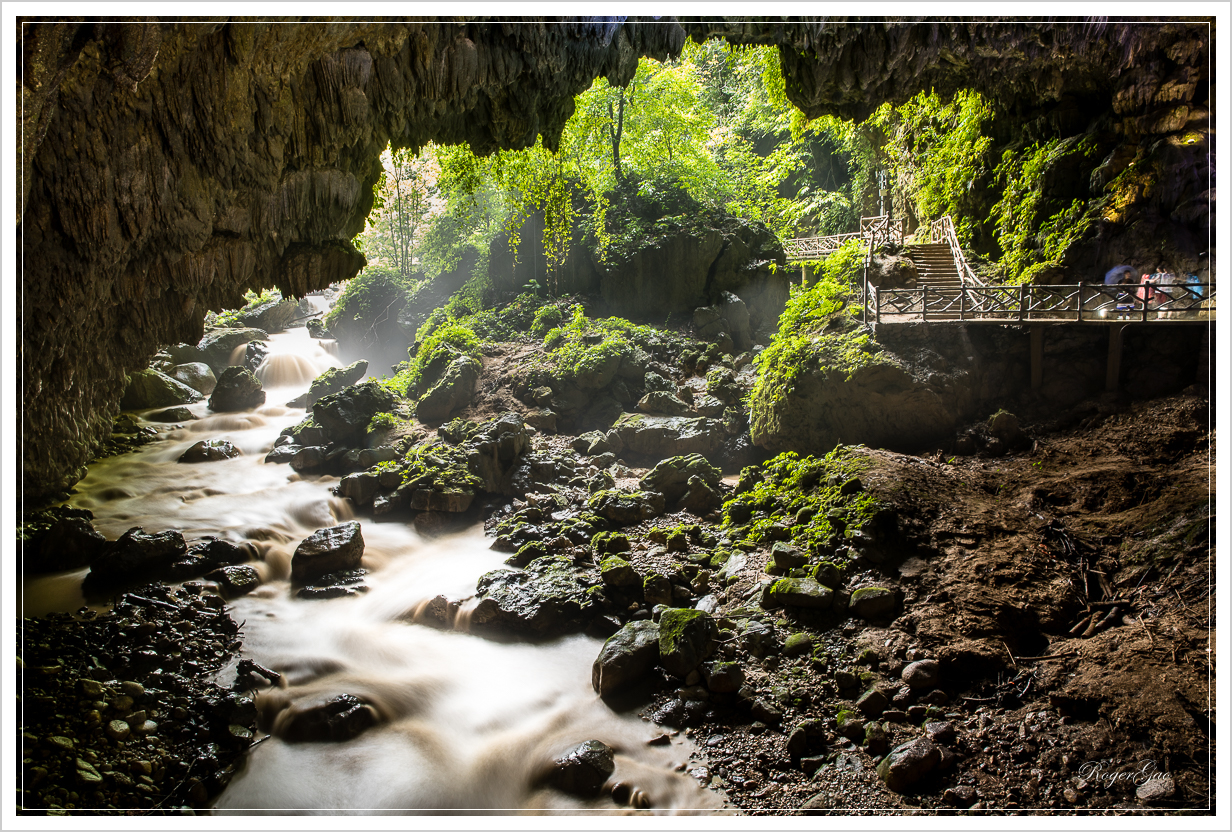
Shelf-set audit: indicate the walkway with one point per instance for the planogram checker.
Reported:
(948, 290)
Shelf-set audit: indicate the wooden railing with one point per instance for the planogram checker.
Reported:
(942, 231)
(881, 230)
(874, 231)
(1187, 302)
(815, 248)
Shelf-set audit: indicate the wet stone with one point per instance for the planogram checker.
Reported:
(923, 674)
(210, 450)
(583, 769)
(342, 718)
(327, 550)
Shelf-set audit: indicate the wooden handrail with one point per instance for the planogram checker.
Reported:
(1076, 303)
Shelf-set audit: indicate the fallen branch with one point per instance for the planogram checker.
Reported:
(1047, 658)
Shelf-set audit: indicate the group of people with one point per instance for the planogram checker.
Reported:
(1152, 287)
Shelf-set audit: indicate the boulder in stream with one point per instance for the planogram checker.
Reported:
(150, 388)
(627, 656)
(551, 598)
(197, 375)
(344, 416)
(210, 450)
(136, 554)
(583, 769)
(327, 550)
(238, 389)
(331, 381)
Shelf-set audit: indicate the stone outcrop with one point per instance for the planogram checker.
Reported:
(168, 166)
(926, 380)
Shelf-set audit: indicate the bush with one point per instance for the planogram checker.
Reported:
(546, 318)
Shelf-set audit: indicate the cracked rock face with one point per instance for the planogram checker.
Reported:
(170, 166)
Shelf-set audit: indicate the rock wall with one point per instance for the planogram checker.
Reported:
(930, 379)
(170, 166)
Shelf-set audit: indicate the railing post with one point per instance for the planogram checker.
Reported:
(1022, 300)
(962, 303)
(924, 304)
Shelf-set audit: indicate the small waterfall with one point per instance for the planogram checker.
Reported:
(294, 360)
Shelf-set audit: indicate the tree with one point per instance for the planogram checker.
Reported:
(404, 202)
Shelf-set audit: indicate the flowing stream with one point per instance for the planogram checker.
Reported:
(467, 723)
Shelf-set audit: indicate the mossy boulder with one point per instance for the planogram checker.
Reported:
(723, 677)
(344, 416)
(671, 476)
(453, 391)
(619, 572)
(800, 592)
(798, 644)
(627, 656)
(627, 507)
(850, 724)
(150, 388)
(330, 381)
(686, 638)
(238, 389)
(551, 598)
(661, 436)
(785, 556)
(908, 764)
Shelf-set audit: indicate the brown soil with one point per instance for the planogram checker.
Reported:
(1001, 559)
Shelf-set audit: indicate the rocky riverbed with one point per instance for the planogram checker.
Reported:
(1020, 622)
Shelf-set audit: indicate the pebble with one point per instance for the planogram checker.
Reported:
(1156, 789)
(117, 730)
(135, 690)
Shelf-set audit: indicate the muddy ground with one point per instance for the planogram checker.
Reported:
(1005, 556)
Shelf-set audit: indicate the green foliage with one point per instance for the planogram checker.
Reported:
(818, 328)
(789, 483)
(546, 318)
(1032, 233)
(582, 349)
(937, 151)
(231, 317)
(382, 420)
(368, 295)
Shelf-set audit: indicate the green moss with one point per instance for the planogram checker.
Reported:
(673, 622)
(367, 295)
(433, 464)
(779, 489)
(442, 346)
(819, 331)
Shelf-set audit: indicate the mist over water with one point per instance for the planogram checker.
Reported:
(464, 723)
